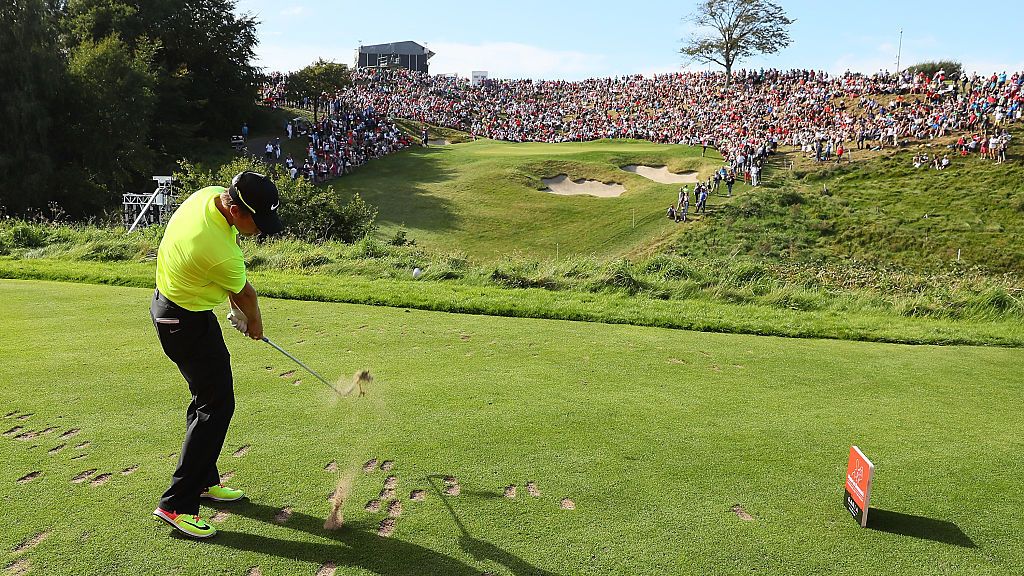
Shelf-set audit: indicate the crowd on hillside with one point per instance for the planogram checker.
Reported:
(826, 116)
(345, 137)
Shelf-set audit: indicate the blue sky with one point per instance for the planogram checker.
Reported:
(581, 39)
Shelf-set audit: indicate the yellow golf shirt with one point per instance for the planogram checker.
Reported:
(199, 261)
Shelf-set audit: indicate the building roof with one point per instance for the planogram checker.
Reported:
(407, 47)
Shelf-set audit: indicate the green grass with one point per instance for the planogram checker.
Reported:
(655, 434)
(484, 197)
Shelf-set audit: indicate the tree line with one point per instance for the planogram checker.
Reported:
(98, 95)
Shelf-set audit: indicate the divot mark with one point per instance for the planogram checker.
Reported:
(391, 482)
(29, 477)
(370, 465)
(395, 508)
(18, 567)
(13, 431)
(24, 417)
(510, 491)
(242, 451)
(531, 489)
(26, 435)
(327, 569)
(676, 361)
(288, 374)
(227, 476)
(101, 479)
(255, 571)
(83, 476)
(373, 505)
(742, 514)
(332, 466)
(9, 414)
(387, 494)
(129, 470)
(70, 433)
(418, 495)
(387, 465)
(220, 516)
(48, 430)
(79, 457)
(283, 516)
(30, 543)
(56, 449)
(386, 528)
(452, 490)
(568, 504)
(297, 382)
(83, 445)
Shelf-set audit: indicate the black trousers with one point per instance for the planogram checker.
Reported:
(194, 342)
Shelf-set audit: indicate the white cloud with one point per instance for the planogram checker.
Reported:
(293, 11)
(514, 60)
(287, 57)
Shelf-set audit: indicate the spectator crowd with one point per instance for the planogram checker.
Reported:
(826, 116)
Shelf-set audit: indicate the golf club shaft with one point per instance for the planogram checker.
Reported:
(299, 362)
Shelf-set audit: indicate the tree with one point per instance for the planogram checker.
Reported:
(33, 80)
(316, 79)
(111, 104)
(952, 69)
(736, 29)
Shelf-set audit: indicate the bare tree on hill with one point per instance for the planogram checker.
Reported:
(730, 30)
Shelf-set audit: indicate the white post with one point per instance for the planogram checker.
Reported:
(957, 254)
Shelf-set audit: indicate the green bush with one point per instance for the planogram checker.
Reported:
(25, 235)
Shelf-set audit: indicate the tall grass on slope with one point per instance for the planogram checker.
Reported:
(956, 293)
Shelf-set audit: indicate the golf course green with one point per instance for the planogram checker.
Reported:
(682, 452)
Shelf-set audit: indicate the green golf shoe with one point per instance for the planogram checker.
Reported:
(189, 524)
(222, 493)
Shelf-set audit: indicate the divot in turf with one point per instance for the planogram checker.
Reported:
(30, 543)
(101, 479)
(129, 470)
(242, 451)
(83, 476)
(283, 515)
(386, 527)
(327, 569)
(532, 490)
(29, 477)
(70, 433)
(56, 449)
(742, 514)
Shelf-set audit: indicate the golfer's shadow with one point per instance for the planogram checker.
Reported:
(358, 545)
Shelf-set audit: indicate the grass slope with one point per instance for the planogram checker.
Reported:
(655, 434)
(484, 197)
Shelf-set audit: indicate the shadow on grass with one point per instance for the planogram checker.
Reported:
(395, 185)
(918, 527)
(357, 545)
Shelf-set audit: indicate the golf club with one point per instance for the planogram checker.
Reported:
(299, 362)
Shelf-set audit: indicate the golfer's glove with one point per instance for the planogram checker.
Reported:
(238, 320)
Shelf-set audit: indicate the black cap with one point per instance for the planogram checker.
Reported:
(259, 195)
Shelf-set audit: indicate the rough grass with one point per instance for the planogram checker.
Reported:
(656, 435)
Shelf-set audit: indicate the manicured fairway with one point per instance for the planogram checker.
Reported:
(656, 435)
(484, 197)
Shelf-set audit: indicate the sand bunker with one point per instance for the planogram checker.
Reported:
(563, 186)
(438, 142)
(661, 174)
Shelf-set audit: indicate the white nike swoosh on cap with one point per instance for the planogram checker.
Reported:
(274, 207)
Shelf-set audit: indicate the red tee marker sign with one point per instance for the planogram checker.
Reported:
(859, 472)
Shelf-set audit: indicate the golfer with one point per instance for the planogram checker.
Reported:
(199, 265)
